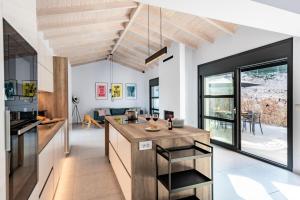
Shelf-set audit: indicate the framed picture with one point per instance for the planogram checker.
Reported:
(29, 88)
(101, 91)
(130, 91)
(11, 89)
(116, 91)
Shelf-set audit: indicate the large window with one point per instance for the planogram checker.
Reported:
(245, 101)
(154, 96)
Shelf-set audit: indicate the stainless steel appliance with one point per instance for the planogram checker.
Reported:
(131, 115)
(20, 72)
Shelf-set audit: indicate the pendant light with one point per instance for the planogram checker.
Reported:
(163, 50)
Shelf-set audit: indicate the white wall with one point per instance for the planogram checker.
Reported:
(22, 16)
(169, 82)
(85, 76)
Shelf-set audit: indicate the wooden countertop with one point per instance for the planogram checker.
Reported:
(46, 133)
(136, 132)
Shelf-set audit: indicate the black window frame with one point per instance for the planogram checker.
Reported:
(152, 83)
(235, 63)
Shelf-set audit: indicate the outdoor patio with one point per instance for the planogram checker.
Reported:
(272, 144)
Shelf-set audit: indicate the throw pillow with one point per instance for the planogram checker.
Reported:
(102, 112)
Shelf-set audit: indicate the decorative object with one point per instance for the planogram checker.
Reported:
(116, 91)
(130, 91)
(75, 111)
(101, 91)
(29, 88)
(88, 121)
(178, 123)
(10, 89)
(152, 128)
(163, 50)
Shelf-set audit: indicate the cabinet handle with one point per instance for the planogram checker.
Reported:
(45, 183)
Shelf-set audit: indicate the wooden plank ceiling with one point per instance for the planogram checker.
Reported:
(89, 30)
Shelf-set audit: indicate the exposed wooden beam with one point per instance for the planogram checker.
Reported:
(86, 35)
(77, 52)
(132, 16)
(128, 60)
(53, 34)
(83, 62)
(131, 66)
(142, 40)
(167, 34)
(129, 56)
(142, 33)
(179, 21)
(92, 45)
(87, 57)
(81, 41)
(137, 47)
(223, 26)
(81, 22)
(77, 9)
(132, 51)
(189, 30)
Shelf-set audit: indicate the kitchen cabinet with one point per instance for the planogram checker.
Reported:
(120, 158)
(45, 67)
(45, 79)
(50, 166)
(122, 175)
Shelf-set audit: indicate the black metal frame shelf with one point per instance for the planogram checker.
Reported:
(183, 153)
(187, 179)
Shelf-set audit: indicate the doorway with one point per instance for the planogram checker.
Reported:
(263, 113)
(244, 102)
(154, 96)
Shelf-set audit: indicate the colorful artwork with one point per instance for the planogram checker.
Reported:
(101, 91)
(10, 89)
(29, 88)
(131, 91)
(116, 91)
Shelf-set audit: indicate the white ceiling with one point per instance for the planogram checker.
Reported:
(242, 12)
(289, 5)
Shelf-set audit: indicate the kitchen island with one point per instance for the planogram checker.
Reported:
(132, 154)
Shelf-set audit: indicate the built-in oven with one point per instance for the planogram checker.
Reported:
(21, 106)
(23, 158)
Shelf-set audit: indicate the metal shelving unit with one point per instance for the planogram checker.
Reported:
(187, 179)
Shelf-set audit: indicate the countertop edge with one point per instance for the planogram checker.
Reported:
(131, 139)
(54, 129)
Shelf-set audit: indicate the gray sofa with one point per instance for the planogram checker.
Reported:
(100, 113)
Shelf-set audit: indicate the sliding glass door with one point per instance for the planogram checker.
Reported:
(246, 102)
(263, 103)
(219, 107)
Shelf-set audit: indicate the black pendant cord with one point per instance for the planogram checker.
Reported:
(160, 30)
(148, 30)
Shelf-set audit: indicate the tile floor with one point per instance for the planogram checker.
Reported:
(87, 174)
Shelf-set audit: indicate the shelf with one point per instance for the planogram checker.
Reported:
(184, 153)
(184, 180)
(189, 198)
